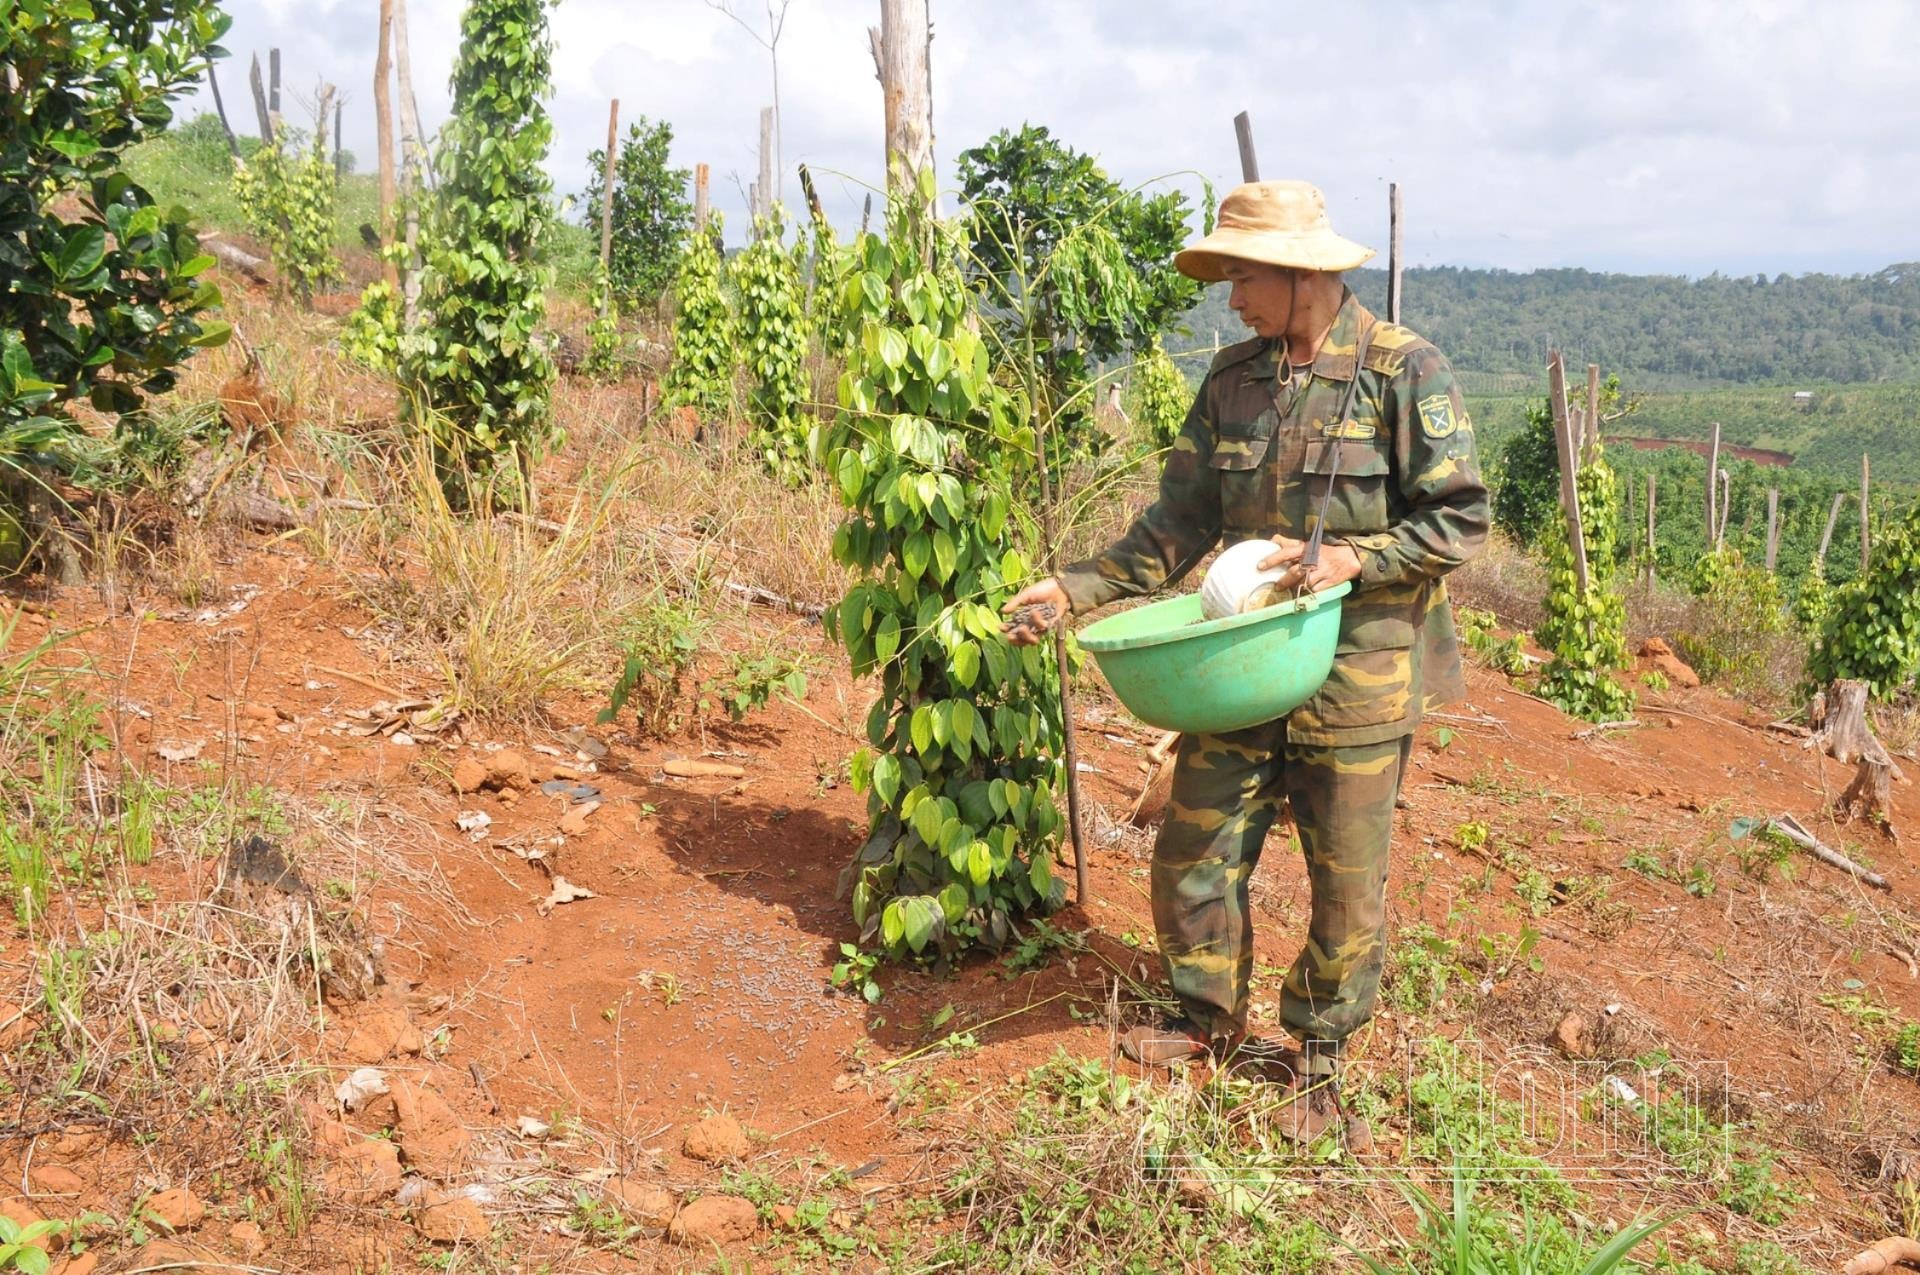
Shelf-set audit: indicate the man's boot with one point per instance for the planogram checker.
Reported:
(1169, 1041)
(1314, 1109)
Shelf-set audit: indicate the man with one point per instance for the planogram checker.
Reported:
(1266, 451)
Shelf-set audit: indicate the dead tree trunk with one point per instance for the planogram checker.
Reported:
(606, 190)
(1826, 536)
(1838, 717)
(906, 83)
(700, 197)
(411, 167)
(220, 109)
(766, 186)
(1243, 136)
(260, 110)
(1713, 488)
(1394, 257)
(383, 134)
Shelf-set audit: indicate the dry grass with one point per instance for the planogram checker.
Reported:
(1503, 579)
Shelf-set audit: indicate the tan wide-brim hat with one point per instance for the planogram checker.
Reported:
(1278, 223)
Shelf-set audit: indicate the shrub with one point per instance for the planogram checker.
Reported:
(927, 454)
(704, 335)
(1731, 634)
(102, 306)
(287, 199)
(773, 345)
(1586, 632)
(482, 379)
(650, 211)
(1871, 630)
(1158, 398)
(371, 334)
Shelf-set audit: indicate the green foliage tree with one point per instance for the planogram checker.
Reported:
(1098, 257)
(287, 198)
(1159, 396)
(1742, 611)
(1586, 632)
(482, 381)
(705, 336)
(928, 452)
(773, 344)
(1871, 630)
(651, 213)
(102, 304)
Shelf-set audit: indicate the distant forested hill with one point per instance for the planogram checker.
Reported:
(1656, 331)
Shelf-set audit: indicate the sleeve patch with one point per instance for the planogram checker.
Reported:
(1437, 418)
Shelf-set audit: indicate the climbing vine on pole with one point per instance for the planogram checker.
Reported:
(926, 453)
(1587, 633)
(773, 343)
(704, 333)
(1159, 396)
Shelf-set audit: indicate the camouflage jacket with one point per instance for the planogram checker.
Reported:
(1252, 461)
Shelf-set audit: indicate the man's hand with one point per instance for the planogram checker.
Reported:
(1033, 611)
(1338, 563)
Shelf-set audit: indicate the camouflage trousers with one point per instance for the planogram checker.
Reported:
(1227, 790)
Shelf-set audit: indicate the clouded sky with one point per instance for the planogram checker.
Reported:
(1680, 136)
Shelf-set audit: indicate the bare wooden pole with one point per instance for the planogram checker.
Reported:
(1826, 535)
(339, 151)
(606, 186)
(383, 133)
(901, 46)
(220, 109)
(766, 185)
(1773, 526)
(273, 85)
(1569, 464)
(700, 172)
(412, 165)
(1653, 554)
(1393, 252)
(1590, 435)
(1713, 489)
(1726, 508)
(260, 109)
(1866, 532)
(866, 213)
(1243, 134)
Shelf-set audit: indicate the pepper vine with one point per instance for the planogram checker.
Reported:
(1587, 633)
(926, 452)
(704, 334)
(1159, 397)
(773, 341)
(287, 199)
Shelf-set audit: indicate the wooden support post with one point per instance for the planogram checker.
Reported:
(1653, 550)
(260, 110)
(606, 186)
(1726, 508)
(1393, 252)
(273, 85)
(1773, 526)
(383, 135)
(339, 152)
(866, 213)
(766, 162)
(901, 47)
(1243, 133)
(1713, 489)
(1826, 535)
(814, 211)
(413, 166)
(1591, 432)
(1866, 531)
(323, 107)
(700, 197)
(220, 109)
(1569, 465)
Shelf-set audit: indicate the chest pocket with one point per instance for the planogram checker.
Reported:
(1239, 458)
(1361, 491)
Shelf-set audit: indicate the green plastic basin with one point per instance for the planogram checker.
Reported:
(1214, 676)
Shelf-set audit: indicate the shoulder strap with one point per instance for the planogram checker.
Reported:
(1311, 558)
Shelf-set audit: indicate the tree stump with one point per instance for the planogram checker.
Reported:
(1838, 716)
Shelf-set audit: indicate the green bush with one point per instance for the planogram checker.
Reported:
(650, 211)
(927, 453)
(103, 304)
(773, 345)
(1739, 617)
(704, 335)
(1586, 632)
(482, 381)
